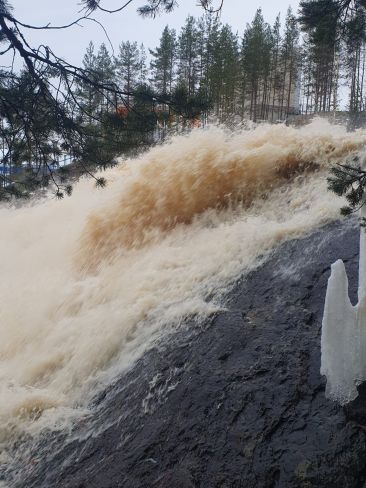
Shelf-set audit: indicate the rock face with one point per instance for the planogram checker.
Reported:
(236, 402)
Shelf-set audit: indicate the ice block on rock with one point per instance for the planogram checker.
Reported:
(343, 341)
(339, 338)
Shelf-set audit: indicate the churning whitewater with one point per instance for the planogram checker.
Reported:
(89, 283)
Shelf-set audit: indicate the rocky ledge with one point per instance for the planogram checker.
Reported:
(235, 402)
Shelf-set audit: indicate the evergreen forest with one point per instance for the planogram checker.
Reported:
(312, 62)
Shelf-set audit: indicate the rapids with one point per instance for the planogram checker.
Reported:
(89, 283)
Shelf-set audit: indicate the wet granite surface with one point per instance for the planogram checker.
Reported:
(235, 402)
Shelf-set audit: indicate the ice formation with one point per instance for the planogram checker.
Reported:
(343, 341)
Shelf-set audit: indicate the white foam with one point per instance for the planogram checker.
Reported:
(80, 303)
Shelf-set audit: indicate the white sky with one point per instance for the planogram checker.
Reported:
(127, 25)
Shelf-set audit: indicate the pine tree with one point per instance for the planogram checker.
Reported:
(128, 68)
(290, 61)
(104, 69)
(227, 56)
(255, 64)
(275, 77)
(307, 77)
(320, 21)
(188, 62)
(89, 98)
(61, 92)
(162, 65)
(213, 62)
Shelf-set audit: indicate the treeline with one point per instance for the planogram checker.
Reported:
(305, 65)
(253, 76)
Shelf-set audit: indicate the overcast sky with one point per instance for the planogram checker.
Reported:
(127, 25)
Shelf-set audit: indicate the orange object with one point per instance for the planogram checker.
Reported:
(122, 111)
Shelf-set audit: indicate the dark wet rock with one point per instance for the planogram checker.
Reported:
(235, 402)
(356, 410)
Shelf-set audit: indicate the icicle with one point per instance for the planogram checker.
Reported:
(343, 342)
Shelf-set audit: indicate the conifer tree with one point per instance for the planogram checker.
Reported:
(227, 54)
(104, 70)
(275, 77)
(61, 92)
(128, 67)
(87, 94)
(188, 62)
(255, 57)
(163, 62)
(290, 62)
(307, 77)
(320, 21)
(213, 61)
